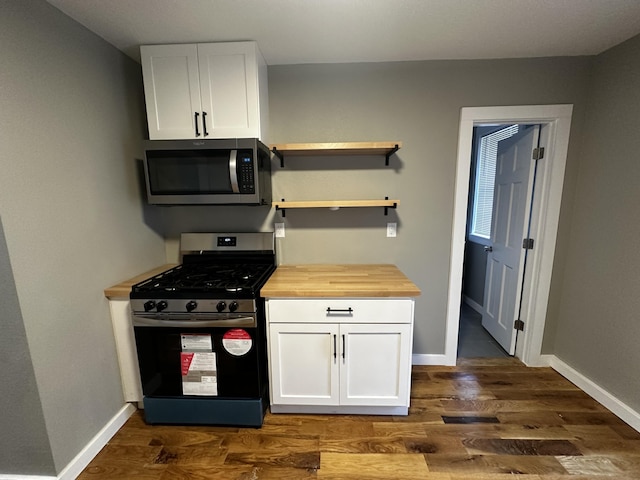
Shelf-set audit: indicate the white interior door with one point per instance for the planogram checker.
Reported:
(511, 210)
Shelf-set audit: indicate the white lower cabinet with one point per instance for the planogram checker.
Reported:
(340, 356)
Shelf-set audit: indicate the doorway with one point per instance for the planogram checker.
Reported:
(544, 219)
(502, 177)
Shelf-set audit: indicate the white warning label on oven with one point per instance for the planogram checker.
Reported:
(199, 375)
(237, 341)
(194, 342)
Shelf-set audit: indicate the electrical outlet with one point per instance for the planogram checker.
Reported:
(279, 227)
(391, 229)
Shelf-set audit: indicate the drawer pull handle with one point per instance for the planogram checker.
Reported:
(348, 311)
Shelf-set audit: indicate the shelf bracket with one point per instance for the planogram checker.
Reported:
(386, 209)
(281, 157)
(388, 155)
(282, 210)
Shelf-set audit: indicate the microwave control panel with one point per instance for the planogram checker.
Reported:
(246, 176)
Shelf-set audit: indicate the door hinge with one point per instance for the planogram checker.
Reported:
(518, 325)
(527, 243)
(538, 153)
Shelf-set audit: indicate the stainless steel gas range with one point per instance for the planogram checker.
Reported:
(200, 332)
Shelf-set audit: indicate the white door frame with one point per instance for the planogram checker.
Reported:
(544, 220)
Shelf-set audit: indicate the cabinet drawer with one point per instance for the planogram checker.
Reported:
(340, 310)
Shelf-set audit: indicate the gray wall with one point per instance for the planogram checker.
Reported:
(71, 121)
(24, 445)
(475, 268)
(593, 325)
(417, 103)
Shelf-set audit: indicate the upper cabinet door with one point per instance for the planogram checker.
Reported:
(172, 91)
(208, 90)
(230, 89)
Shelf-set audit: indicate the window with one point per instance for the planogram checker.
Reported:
(485, 173)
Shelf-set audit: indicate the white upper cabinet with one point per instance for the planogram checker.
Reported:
(208, 90)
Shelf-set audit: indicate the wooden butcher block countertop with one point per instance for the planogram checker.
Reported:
(338, 281)
(123, 289)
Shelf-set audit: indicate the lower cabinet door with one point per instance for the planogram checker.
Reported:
(333, 364)
(375, 364)
(304, 363)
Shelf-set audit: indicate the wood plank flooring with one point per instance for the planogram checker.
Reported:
(485, 419)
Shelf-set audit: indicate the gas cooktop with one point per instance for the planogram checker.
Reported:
(220, 273)
(205, 280)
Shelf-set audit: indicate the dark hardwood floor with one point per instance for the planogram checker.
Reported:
(485, 419)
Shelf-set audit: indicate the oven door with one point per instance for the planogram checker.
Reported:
(214, 356)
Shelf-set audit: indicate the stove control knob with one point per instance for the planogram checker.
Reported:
(221, 306)
(161, 305)
(149, 305)
(233, 306)
(191, 306)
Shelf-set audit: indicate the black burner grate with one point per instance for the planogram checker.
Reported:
(206, 278)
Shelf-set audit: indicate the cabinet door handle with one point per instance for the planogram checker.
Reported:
(196, 114)
(335, 348)
(204, 124)
(339, 310)
(343, 349)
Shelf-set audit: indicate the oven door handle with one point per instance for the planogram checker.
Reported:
(139, 321)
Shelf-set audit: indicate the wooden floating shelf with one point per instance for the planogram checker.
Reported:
(335, 204)
(332, 149)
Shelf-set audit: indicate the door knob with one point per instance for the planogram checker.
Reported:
(488, 248)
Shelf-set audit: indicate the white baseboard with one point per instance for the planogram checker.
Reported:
(79, 463)
(6, 476)
(430, 359)
(75, 467)
(473, 304)
(617, 407)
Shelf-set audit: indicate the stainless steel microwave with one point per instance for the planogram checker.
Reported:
(207, 172)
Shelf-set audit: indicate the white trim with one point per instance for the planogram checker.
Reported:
(545, 360)
(341, 409)
(91, 449)
(558, 118)
(473, 304)
(430, 359)
(4, 476)
(80, 462)
(617, 407)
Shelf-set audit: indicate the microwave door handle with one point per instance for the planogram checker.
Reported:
(233, 171)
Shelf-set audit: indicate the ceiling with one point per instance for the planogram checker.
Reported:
(337, 31)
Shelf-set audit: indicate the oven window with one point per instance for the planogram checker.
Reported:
(239, 374)
(185, 172)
